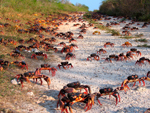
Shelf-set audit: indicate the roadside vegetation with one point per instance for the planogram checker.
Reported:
(144, 45)
(135, 9)
(89, 18)
(141, 40)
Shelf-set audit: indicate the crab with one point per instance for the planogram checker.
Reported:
(20, 47)
(71, 98)
(26, 76)
(73, 87)
(16, 54)
(69, 55)
(21, 64)
(141, 61)
(134, 50)
(12, 41)
(67, 49)
(109, 91)
(108, 60)
(96, 32)
(39, 54)
(1, 68)
(46, 67)
(128, 56)
(4, 64)
(132, 78)
(127, 44)
(109, 43)
(64, 65)
(126, 33)
(62, 44)
(80, 36)
(113, 56)
(101, 51)
(72, 40)
(93, 55)
(32, 40)
(73, 45)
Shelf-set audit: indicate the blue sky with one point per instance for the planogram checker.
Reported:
(92, 4)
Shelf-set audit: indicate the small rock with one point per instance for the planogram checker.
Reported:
(14, 81)
(30, 93)
(35, 50)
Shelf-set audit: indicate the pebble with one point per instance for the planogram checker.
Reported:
(30, 93)
(14, 81)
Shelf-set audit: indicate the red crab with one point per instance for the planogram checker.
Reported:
(134, 50)
(69, 55)
(72, 40)
(16, 54)
(4, 64)
(73, 87)
(46, 67)
(64, 65)
(109, 91)
(67, 49)
(142, 60)
(127, 44)
(93, 55)
(39, 54)
(71, 98)
(21, 64)
(26, 76)
(109, 43)
(101, 51)
(132, 78)
(62, 44)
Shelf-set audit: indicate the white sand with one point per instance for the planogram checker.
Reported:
(98, 74)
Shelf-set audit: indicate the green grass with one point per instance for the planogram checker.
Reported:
(144, 45)
(141, 40)
(36, 6)
(113, 32)
(128, 37)
(139, 35)
(102, 27)
(131, 37)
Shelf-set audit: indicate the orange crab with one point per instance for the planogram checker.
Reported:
(96, 32)
(127, 44)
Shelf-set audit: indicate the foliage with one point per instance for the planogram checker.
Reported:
(42, 6)
(144, 45)
(137, 9)
(141, 40)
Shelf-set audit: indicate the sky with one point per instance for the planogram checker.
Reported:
(92, 4)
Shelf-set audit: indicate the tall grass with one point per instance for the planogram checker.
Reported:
(42, 6)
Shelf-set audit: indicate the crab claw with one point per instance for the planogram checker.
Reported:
(148, 73)
(38, 71)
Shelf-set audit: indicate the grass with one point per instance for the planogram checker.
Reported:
(102, 27)
(113, 32)
(131, 37)
(144, 45)
(141, 40)
(139, 35)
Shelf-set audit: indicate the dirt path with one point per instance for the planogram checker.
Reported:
(96, 74)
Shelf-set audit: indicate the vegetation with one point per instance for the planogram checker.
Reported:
(130, 37)
(141, 40)
(144, 45)
(137, 9)
(42, 6)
